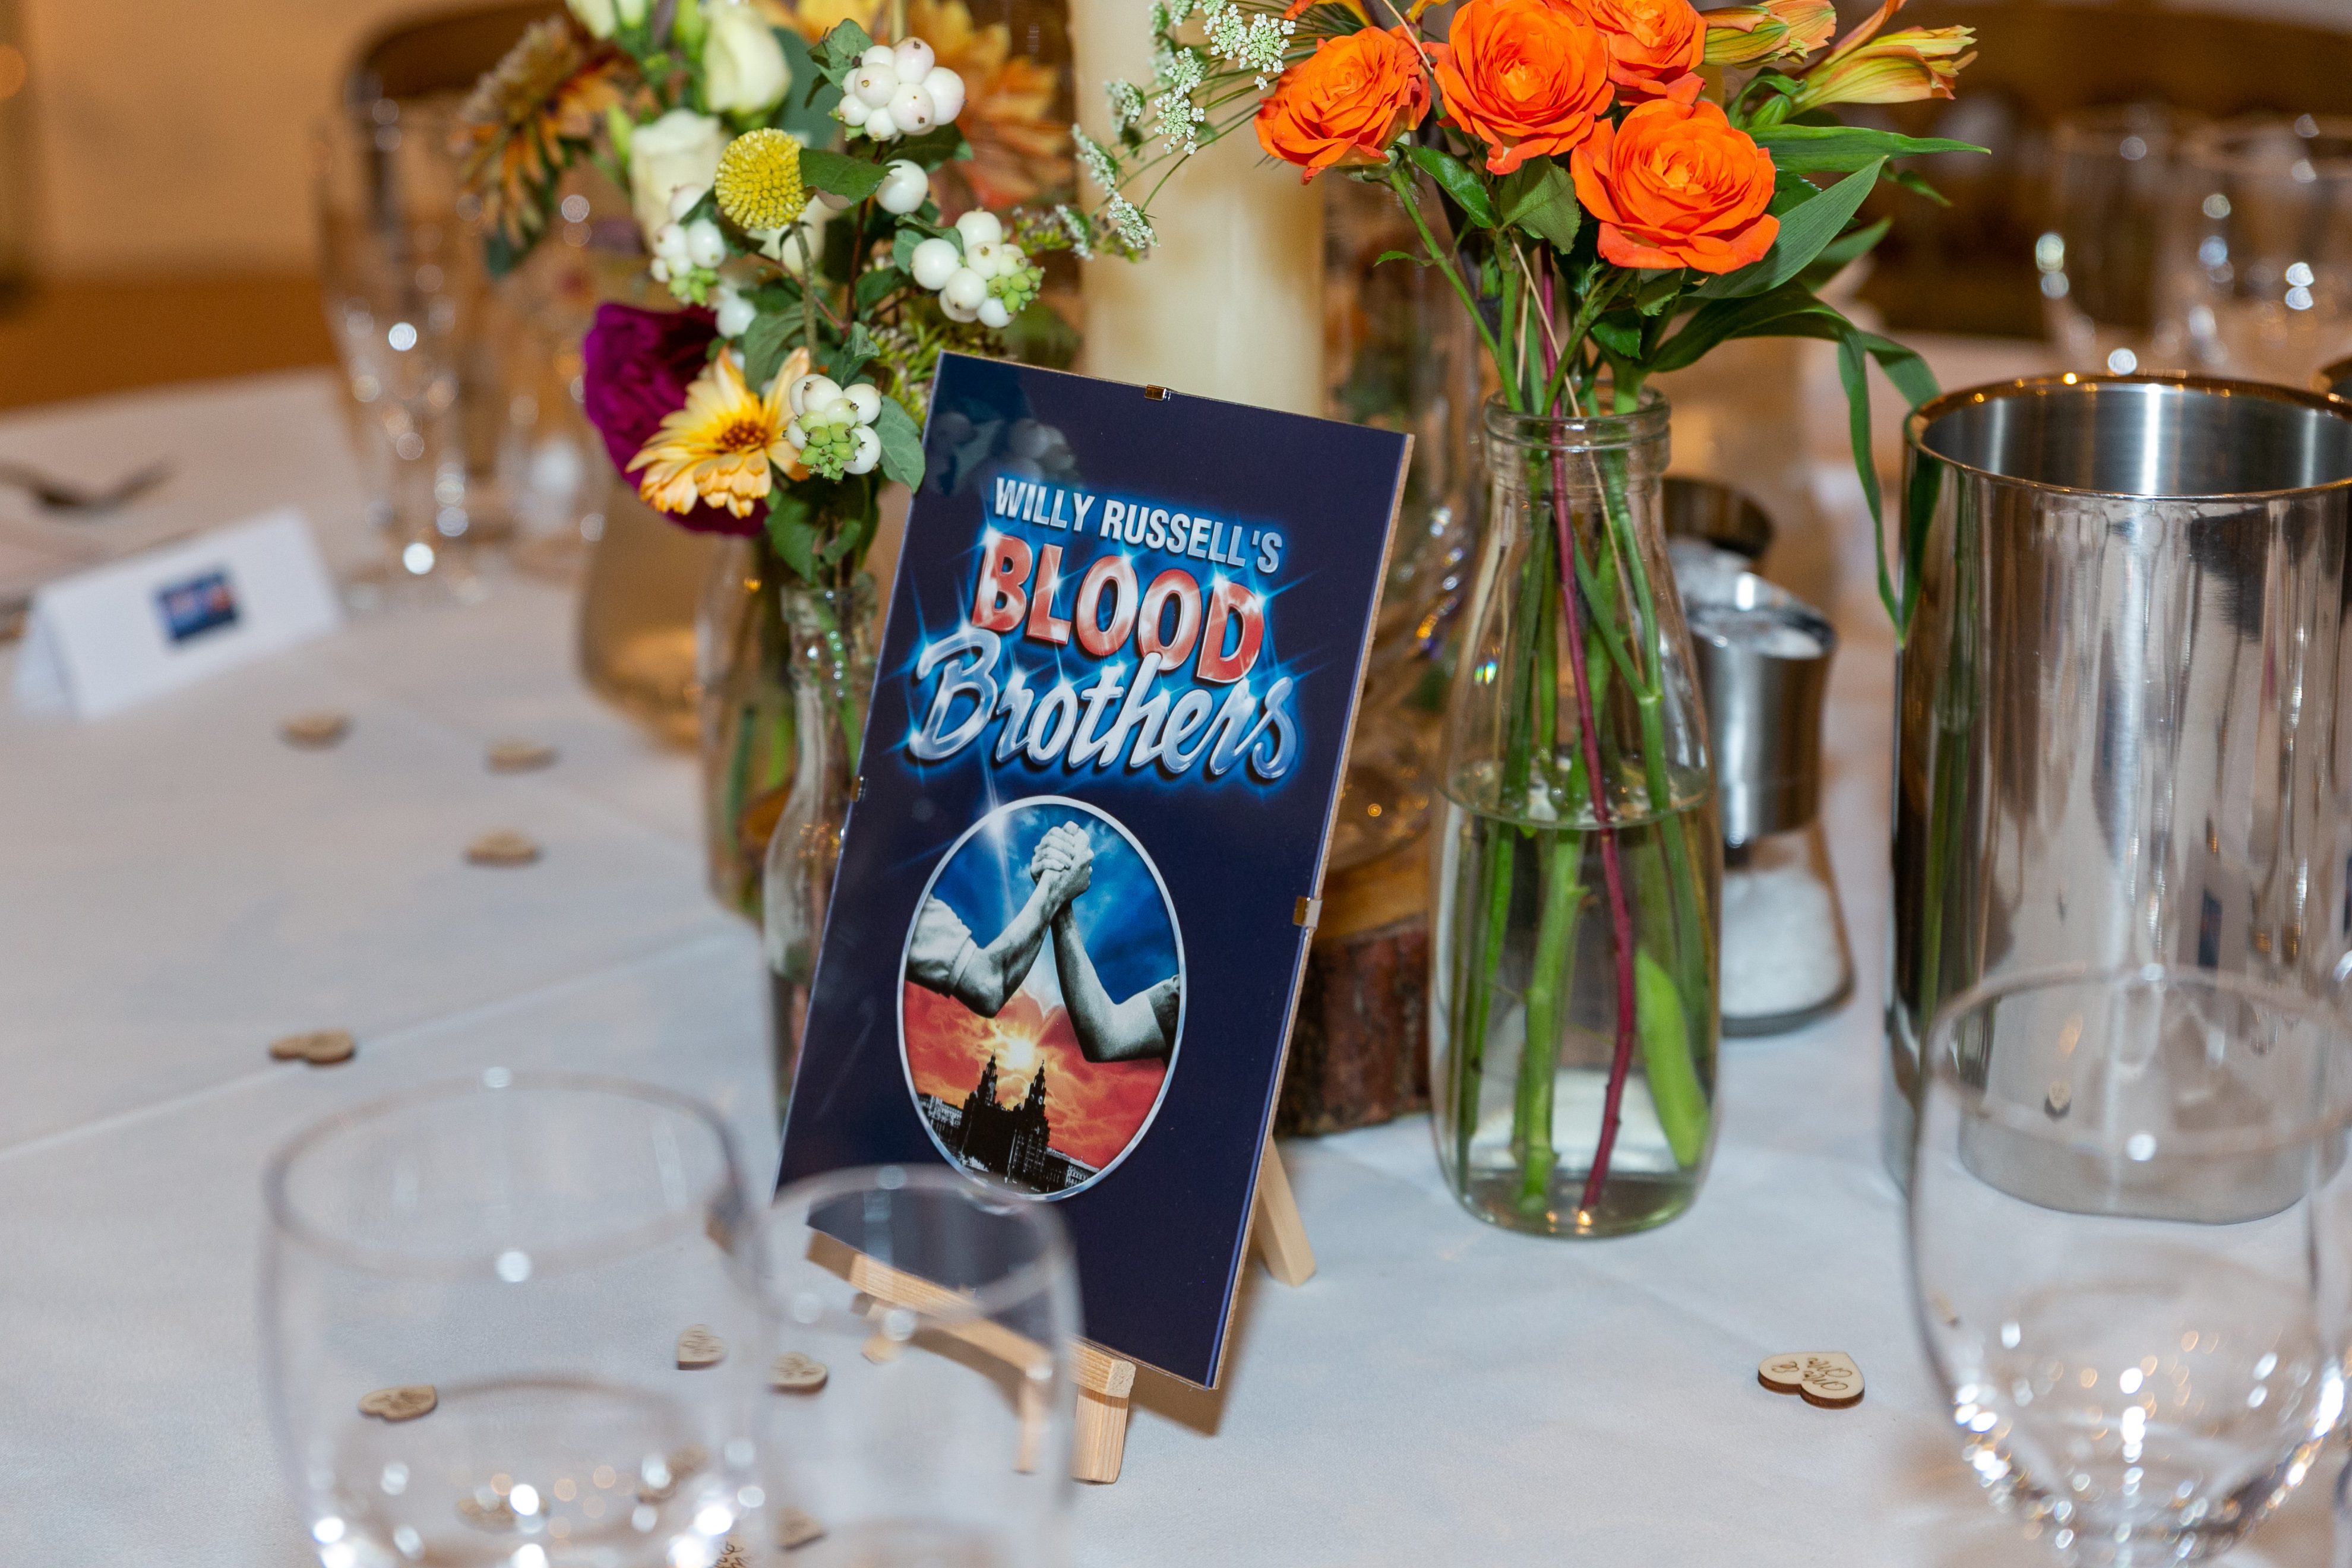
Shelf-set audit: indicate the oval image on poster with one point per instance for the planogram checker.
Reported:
(1041, 996)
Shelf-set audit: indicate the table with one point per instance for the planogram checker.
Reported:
(177, 888)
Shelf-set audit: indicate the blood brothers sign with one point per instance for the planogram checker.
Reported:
(1098, 774)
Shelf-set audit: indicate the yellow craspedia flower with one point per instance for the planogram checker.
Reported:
(759, 181)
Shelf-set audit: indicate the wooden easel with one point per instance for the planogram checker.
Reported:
(1105, 1380)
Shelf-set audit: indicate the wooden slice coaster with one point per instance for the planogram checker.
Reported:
(504, 848)
(513, 756)
(405, 1403)
(314, 732)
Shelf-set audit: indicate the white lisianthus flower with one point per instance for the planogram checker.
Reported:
(679, 150)
(743, 69)
(596, 15)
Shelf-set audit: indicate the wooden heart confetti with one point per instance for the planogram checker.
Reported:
(1827, 1378)
(697, 1347)
(796, 1373)
(795, 1530)
(319, 1048)
(519, 756)
(505, 847)
(404, 1404)
(732, 1556)
(314, 732)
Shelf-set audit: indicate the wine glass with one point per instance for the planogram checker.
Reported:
(923, 1411)
(515, 1319)
(2128, 1226)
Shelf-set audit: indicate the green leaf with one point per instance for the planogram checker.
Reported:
(852, 535)
(1911, 377)
(1916, 183)
(766, 344)
(902, 444)
(1841, 250)
(1539, 197)
(793, 533)
(840, 174)
(878, 284)
(1620, 334)
(941, 144)
(1455, 178)
(1657, 289)
(811, 117)
(1805, 232)
(1840, 148)
(851, 356)
(1402, 256)
(842, 50)
(1719, 320)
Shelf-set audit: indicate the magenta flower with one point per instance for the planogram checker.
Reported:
(636, 365)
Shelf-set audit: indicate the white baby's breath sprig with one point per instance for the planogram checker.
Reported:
(1128, 221)
(1126, 106)
(1179, 118)
(1098, 162)
(1081, 240)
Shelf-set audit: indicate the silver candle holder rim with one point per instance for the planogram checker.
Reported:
(1915, 427)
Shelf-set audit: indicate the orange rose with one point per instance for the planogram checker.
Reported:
(1677, 184)
(1653, 44)
(1341, 106)
(1525, 77)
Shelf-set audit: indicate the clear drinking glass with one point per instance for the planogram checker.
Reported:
(923, 1410)
(2128, 1218)
(400, 272)
(2111, 185)
(475, 1304)
(2258, 269)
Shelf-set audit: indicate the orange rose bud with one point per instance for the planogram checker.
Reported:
(1677, 184)
(1525, 76)
(1341, 106)
(1653, 44)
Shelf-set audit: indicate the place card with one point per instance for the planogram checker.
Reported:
(103, 639)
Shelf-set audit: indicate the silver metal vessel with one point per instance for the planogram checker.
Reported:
(2122, 706)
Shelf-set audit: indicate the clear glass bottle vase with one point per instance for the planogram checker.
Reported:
(1573, 1016)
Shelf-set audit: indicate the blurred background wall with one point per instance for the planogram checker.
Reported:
(154, 206)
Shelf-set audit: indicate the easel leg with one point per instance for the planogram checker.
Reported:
(1100, 1441)
(1280, 1233)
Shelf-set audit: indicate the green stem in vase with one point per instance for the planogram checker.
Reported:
(1548, 987)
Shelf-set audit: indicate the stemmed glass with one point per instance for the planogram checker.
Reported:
(515, 1319)
(2127, 1227)
(923, 1411)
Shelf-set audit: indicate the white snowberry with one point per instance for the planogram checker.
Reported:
(946, 88)
(682, 201)
(735, 314)
(705, 245)
(869, 451)
(984, 257)
(811, 392)
(669, 246)
(879, 55)
(904, 186)
(874, 85)
(955, 312)
(880, 125)
(992, 313)
(865, 400)
(980, 228)
(795, 434)
(912, 59)
(851, 109)
(934, 262)
(965, 289)
(911, 108)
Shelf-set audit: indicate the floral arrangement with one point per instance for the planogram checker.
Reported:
(1613, 188)
(791, 179)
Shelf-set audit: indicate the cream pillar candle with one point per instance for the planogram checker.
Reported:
(1230, 304)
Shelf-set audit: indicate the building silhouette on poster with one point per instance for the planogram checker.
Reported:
(1015, 1142)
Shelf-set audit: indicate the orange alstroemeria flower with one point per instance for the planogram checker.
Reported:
(1341, 106)
(1677, 184)
(1779, 30)
(1525, 76)
(1869, 66)
(1653, 44)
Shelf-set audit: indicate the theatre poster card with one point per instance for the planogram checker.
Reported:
(1107, 734)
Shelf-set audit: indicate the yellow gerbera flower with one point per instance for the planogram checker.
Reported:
(718, 449)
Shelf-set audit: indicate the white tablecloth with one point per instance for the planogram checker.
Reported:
(177, 888)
